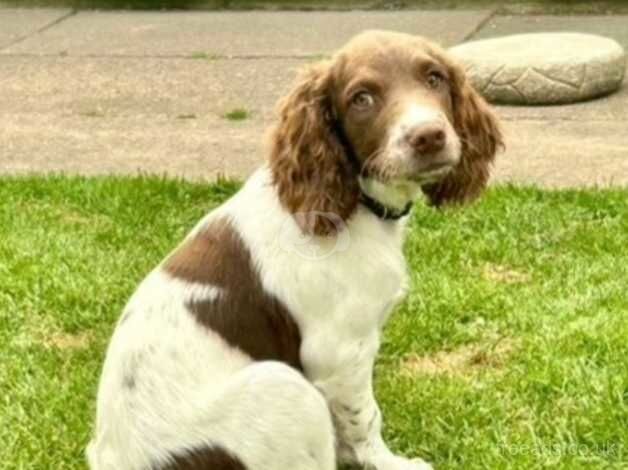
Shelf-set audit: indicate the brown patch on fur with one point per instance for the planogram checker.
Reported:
(505, 275)
(245, 315)
(206, 458)
(480, 135)
(464, 361)
(308, 162)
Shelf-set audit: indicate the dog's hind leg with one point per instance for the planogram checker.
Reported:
(269, 417)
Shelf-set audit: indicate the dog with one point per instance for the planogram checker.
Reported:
(251, 346)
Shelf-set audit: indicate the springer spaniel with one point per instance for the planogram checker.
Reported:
(252, 345)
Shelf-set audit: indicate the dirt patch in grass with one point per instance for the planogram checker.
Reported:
(66, 341)
(504, 274)
(465, 361)
(72, 218)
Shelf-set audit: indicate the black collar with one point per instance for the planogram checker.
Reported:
(376, 207)
(382, 211)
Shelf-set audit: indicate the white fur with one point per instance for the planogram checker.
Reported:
(393, 194)
(405, 187)
(400, 153)
(192, 388)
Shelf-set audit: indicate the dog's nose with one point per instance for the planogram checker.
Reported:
(427, 139)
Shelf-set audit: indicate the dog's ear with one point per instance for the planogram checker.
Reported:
(315, 179)
(480, 136)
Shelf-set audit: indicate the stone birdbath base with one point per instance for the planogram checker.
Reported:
(543, 68)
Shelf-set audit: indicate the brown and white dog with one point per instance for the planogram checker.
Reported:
(252, 345)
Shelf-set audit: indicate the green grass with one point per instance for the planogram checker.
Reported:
(238, 114)
(509, 352)
(204, 56)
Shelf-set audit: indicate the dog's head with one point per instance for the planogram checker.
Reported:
(391, 114)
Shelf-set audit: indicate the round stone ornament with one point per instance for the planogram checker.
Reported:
(543, 68)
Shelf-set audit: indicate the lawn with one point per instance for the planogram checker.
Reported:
(510, 351)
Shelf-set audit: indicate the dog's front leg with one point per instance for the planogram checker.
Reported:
(345, 379)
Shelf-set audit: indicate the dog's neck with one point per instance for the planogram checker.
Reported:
(388, 201)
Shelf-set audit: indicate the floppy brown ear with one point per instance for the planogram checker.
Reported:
(314, 177)
(481, 137)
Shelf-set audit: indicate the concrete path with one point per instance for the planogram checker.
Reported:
(123, 92)
(615, 26)
(248, 34)
(16, 25)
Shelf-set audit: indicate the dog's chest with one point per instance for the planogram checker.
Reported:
(351, 280)
(367, 286)
(358, 283)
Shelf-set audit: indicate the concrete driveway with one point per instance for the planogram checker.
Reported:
(128, 92)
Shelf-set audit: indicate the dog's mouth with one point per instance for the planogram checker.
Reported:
(437, 167)
(391, 168)
(417, 173)
(433, 171)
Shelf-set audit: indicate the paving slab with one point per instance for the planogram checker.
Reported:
(554, 154)
(118, 87)
(126, 116)
(615, 26)
(194, 149)
(19, 23)
(250, 34)
(121, 87)
(562, 154)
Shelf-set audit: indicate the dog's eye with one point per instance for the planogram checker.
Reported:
(435, 79)
(363, 100)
